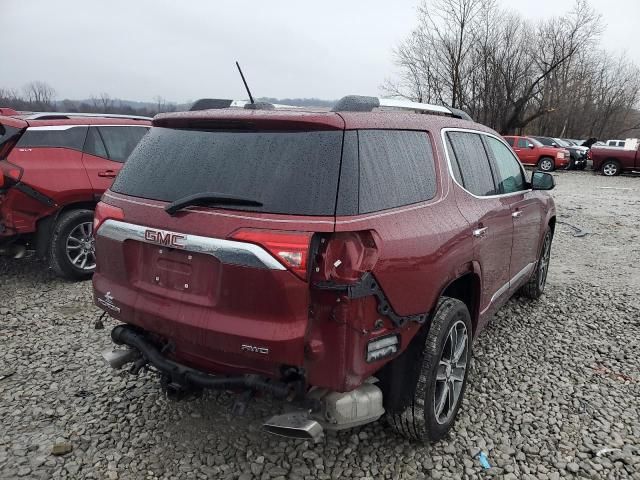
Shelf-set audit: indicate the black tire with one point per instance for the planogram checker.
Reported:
(546, 164)
(535, 286)
(419, 421)
(72, 222)
(611, 168)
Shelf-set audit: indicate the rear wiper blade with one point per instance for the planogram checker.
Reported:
(209, 198)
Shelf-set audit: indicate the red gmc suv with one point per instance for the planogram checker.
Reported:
(531, 152)
(341, 260)
(54, 167)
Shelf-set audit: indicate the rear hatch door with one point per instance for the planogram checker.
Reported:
(225, 280)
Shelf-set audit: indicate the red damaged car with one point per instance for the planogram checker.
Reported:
(342, 261)
(54, 167)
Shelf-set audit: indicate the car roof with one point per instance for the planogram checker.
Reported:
(314, 119)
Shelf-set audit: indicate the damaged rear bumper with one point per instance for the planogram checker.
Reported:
(180, 374)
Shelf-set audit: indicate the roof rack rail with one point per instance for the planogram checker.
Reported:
(64, 116)
(360, 103)
(220, 103)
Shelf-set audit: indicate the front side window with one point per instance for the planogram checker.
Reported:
(473, 161)
(94, 144)
(523, 143)
(396, 169)
(508, 173)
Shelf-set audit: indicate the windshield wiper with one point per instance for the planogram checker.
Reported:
(209, 198)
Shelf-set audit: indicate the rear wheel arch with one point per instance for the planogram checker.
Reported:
(399, 377)
(466, 288)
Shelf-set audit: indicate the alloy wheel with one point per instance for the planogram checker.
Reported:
(543, 264)
(451, 372)
(546, 165)
(81, 247)
(610, 169)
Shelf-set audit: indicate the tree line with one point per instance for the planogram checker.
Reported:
(518, 75)
(39, 96)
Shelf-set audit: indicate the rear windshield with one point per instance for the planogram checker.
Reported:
(288, 172)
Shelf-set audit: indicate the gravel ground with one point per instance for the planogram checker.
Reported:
(553, 382)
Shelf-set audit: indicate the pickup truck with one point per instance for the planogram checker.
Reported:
(614, 160)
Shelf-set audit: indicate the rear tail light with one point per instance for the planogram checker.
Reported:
(344, 257)
(10, 174)
(103, 212)
(291, 248)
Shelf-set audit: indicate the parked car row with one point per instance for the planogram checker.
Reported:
(548, 154)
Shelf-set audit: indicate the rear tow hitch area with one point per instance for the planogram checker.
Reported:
(320, 409)
(181, 375)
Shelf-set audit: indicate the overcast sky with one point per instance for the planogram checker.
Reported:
(138, 49)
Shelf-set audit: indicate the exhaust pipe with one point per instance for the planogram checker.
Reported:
(294, 425)
(118, 358)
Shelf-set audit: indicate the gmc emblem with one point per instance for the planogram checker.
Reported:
(168, 239)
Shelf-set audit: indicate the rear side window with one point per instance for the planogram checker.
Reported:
(120, 141)
(288, 172)
(396, 168)
(54, 136)
(473, 162)
(509, 140)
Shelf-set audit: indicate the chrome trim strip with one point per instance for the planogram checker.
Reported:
(443, 133)
(500, 292)
(227, 251)
(527, 268)
(41, 115)
(67, 127)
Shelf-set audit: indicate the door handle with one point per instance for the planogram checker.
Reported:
(480, 232)
(107, 174)
(516, 214)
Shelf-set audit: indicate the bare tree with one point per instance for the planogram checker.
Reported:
(39, 94)
(507, 71)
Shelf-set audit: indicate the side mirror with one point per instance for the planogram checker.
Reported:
(542, 181)
(531, 145)
(554, 144)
